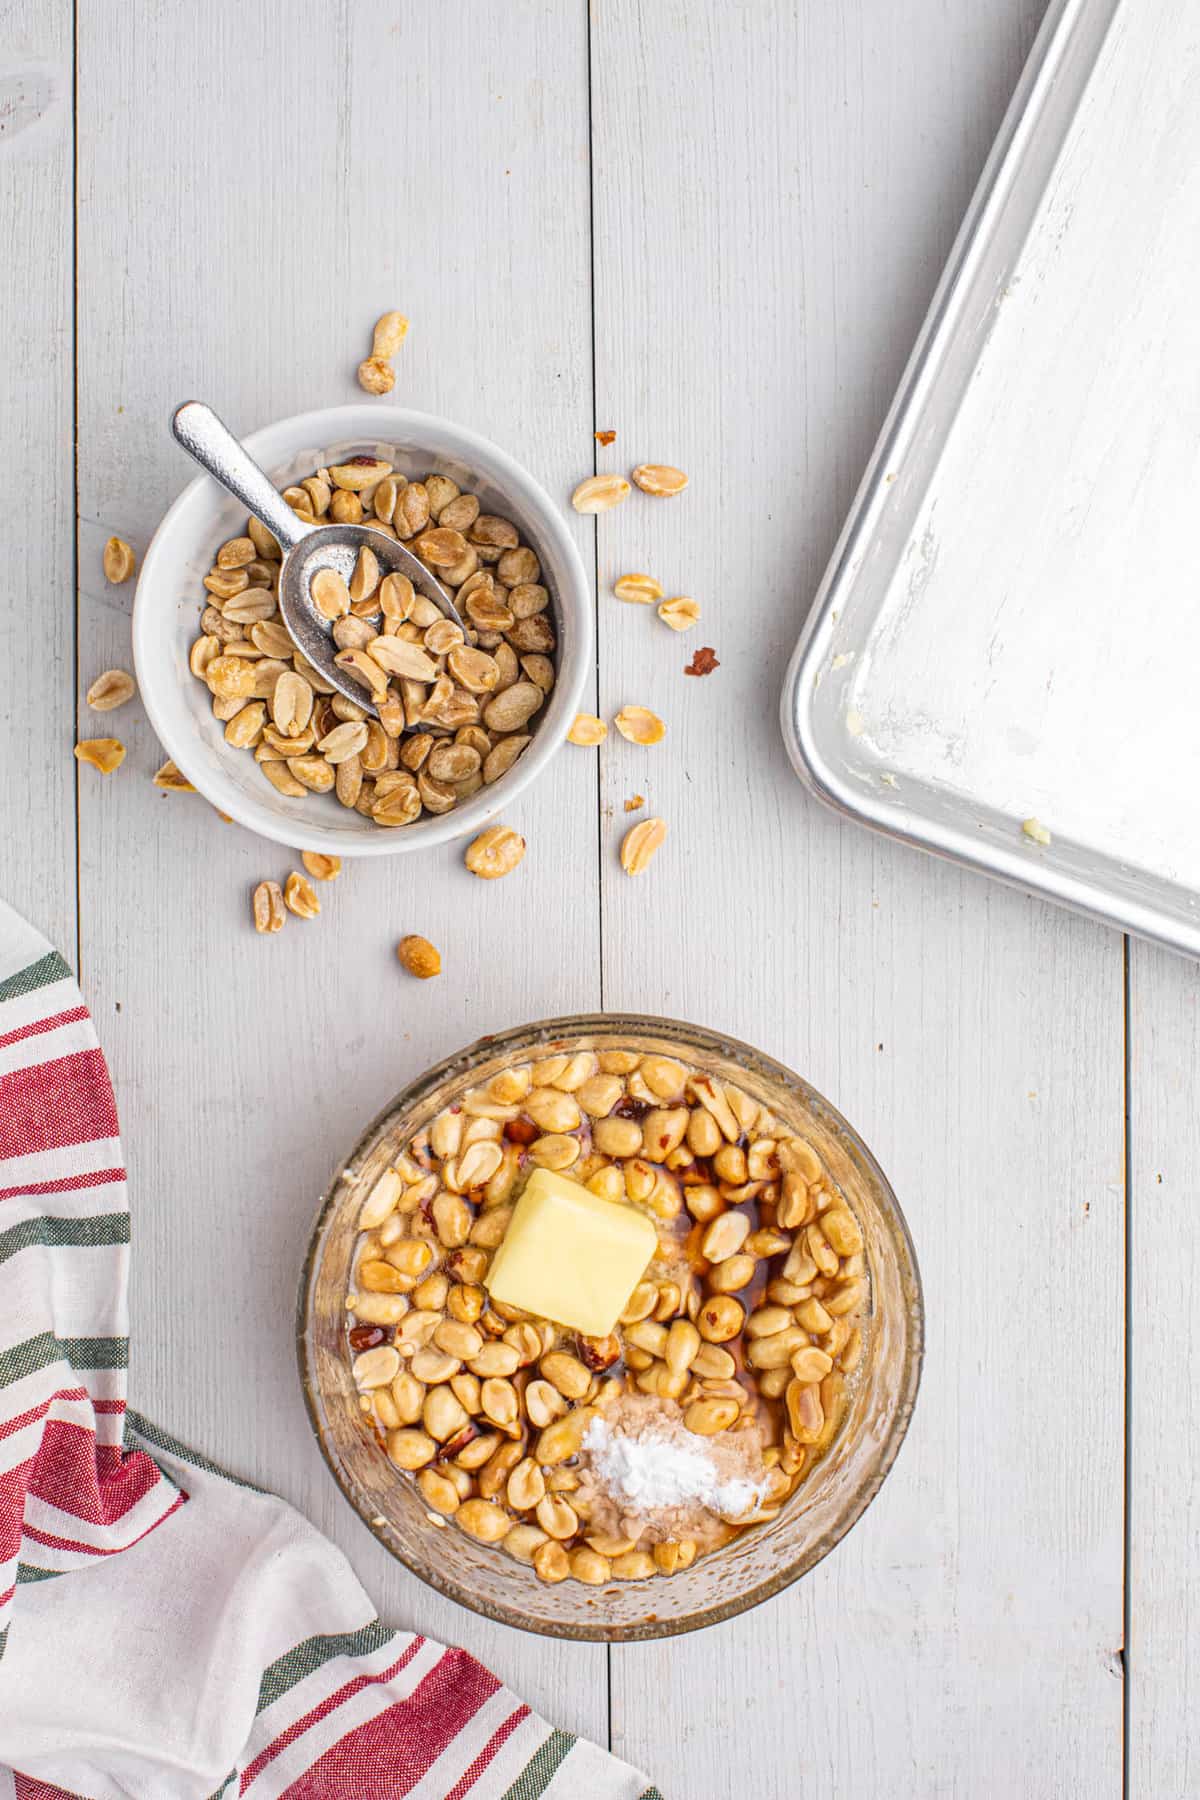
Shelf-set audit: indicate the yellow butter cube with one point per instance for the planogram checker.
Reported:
(570, 1256)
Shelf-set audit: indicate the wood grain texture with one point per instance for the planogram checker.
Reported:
(774, 192)
(1164, 1374)
(774, 196)
(252, 198)
(37, 528)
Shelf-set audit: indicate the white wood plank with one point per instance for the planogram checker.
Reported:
(253, 195)
(775, 192)
(1164, 1373)
(37, 528)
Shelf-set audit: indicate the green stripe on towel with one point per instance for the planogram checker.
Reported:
(541, 1768)
(36, 975)
(38, 1352)
(287, 1670)
(89, 1233)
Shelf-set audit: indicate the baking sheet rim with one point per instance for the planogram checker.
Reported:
(1016, 866)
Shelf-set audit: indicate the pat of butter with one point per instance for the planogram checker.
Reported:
(570, 1256)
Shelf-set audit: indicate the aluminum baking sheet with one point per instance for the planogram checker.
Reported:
(1010, 626)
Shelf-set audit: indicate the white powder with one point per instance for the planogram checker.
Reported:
(651, 1471)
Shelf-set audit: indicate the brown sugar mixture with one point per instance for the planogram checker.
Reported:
(645, 1479)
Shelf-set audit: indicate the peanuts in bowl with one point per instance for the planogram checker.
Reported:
(677, 1458)
(372, 443)
(743, 1331)
(456, 705)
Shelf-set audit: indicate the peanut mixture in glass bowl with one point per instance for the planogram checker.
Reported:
(746, 1404)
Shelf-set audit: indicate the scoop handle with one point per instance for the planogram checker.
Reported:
(204, 436)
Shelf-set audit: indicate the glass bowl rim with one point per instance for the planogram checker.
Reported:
(458, 1063)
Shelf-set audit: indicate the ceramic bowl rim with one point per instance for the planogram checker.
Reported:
(329, 425)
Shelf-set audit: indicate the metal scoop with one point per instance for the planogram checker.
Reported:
(306, 548)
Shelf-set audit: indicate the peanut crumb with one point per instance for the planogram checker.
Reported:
(703, 662)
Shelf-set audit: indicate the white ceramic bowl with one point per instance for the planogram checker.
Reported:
(170, 595)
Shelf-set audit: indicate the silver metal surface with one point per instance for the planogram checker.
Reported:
(306, 548)
(1009, 627)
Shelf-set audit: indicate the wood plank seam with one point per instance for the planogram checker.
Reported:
(590, 40)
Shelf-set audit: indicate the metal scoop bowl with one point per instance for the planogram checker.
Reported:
(306, 548)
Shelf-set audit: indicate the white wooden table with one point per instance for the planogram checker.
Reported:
(713, 227)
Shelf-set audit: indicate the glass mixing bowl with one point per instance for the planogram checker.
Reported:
(759, 1561)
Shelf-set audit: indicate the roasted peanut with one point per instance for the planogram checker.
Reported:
(526, 1486)
(600, 493)
(589, 1566)
(557, 1517)
(810, 1364)
(482, 1520)
(733, 1273)
(443, 1415)
(725, 1237)
(550, 1561)
(634, 1565)
(411, 1449)
(720, 1319)
(567, 1374)
(438, 1491)
(523, 1540)
(706, 1417)
(659, 479)
(543, 1403)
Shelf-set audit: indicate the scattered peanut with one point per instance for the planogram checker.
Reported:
(105, 754)
(639, 725)
(174, 780)
(495, 852)
(659, 478)
(587, 729)
(299, 896)
(110, 690)
(267, 907)
(640, 844)
(419, 957)
(391, 329)
(321, 868)
(376, 376)
(680, 614)
(600, 493)
(119, 561)
(642, 590)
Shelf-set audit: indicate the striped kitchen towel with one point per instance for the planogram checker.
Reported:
(167, 1633)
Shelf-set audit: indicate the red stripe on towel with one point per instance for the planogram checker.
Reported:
(322, 1711)
(53, 1542)
(55, 1104)
(8, 1426)
(390, 1753)
(65, 1184)
(482, 1762)
(92, 1481)
(28, 1789)
(38, 1027)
